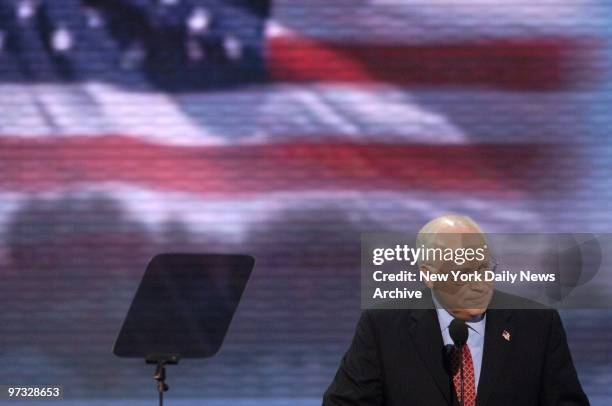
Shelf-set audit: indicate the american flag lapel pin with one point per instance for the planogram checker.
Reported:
(506, 335)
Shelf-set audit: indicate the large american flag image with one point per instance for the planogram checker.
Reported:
(283, 129)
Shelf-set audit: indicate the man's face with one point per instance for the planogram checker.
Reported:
(464, 299)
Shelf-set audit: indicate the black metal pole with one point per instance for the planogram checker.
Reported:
(160, 377)
(161, 361)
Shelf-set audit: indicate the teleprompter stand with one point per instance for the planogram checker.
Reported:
(182, 309)
(160, 372)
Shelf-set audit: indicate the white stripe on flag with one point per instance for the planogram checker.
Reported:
(285, 113)
(422, 21)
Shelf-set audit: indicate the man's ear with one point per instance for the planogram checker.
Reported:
(427, 269)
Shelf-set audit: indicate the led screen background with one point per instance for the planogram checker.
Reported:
(281, 129)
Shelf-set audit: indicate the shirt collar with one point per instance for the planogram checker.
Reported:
(477, 324)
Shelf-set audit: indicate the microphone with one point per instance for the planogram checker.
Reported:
(459, 334)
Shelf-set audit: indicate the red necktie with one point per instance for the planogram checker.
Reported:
(469, 384)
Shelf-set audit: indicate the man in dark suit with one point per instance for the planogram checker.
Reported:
(516, 353)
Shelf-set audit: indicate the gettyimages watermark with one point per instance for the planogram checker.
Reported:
(402, 271)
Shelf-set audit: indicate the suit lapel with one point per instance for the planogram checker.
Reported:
(425, 333)
(495, 350)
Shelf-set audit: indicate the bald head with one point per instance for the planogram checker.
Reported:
(449, 230)
(447, 224)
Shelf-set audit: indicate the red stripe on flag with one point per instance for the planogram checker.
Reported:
(536, 64)
(30, 165)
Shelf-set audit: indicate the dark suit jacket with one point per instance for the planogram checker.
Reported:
(397, 358)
